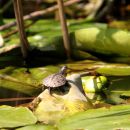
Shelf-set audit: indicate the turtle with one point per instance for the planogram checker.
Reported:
(55, 80)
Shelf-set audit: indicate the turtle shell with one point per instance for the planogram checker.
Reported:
(54, 80)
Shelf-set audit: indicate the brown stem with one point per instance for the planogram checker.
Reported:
(16, 30)
(38, 13)
(19, 19)
(64, 29)
(15, 99)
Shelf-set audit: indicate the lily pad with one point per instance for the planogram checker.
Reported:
(11, 117)
(29, 83)
(108, 41)
(115, 69)
(52, 108)
(17, 79)
(37, 127)
(113, 118)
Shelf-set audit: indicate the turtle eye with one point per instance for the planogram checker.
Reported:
(64, 67)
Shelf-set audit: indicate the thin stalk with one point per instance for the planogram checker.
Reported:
(19, 19)
(16, 99)
(64, 29)
(16, 30)
(38, 13)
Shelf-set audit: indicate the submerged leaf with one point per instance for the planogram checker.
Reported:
(118, 91)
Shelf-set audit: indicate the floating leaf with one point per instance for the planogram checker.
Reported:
(14, 117)
(114, 118)
(115, 69)
(104, 41)
(29, 83)
(38, 127)
(52, 108)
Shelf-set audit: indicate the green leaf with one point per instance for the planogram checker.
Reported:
(93, 84)
(14, 78)
(115, 69)
(38, 127)
(120, 85)
(107, 41)
(14, 117)
(49, 39)
(17, 79)
(114, 118)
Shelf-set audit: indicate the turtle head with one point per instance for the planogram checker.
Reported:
(63, 70)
